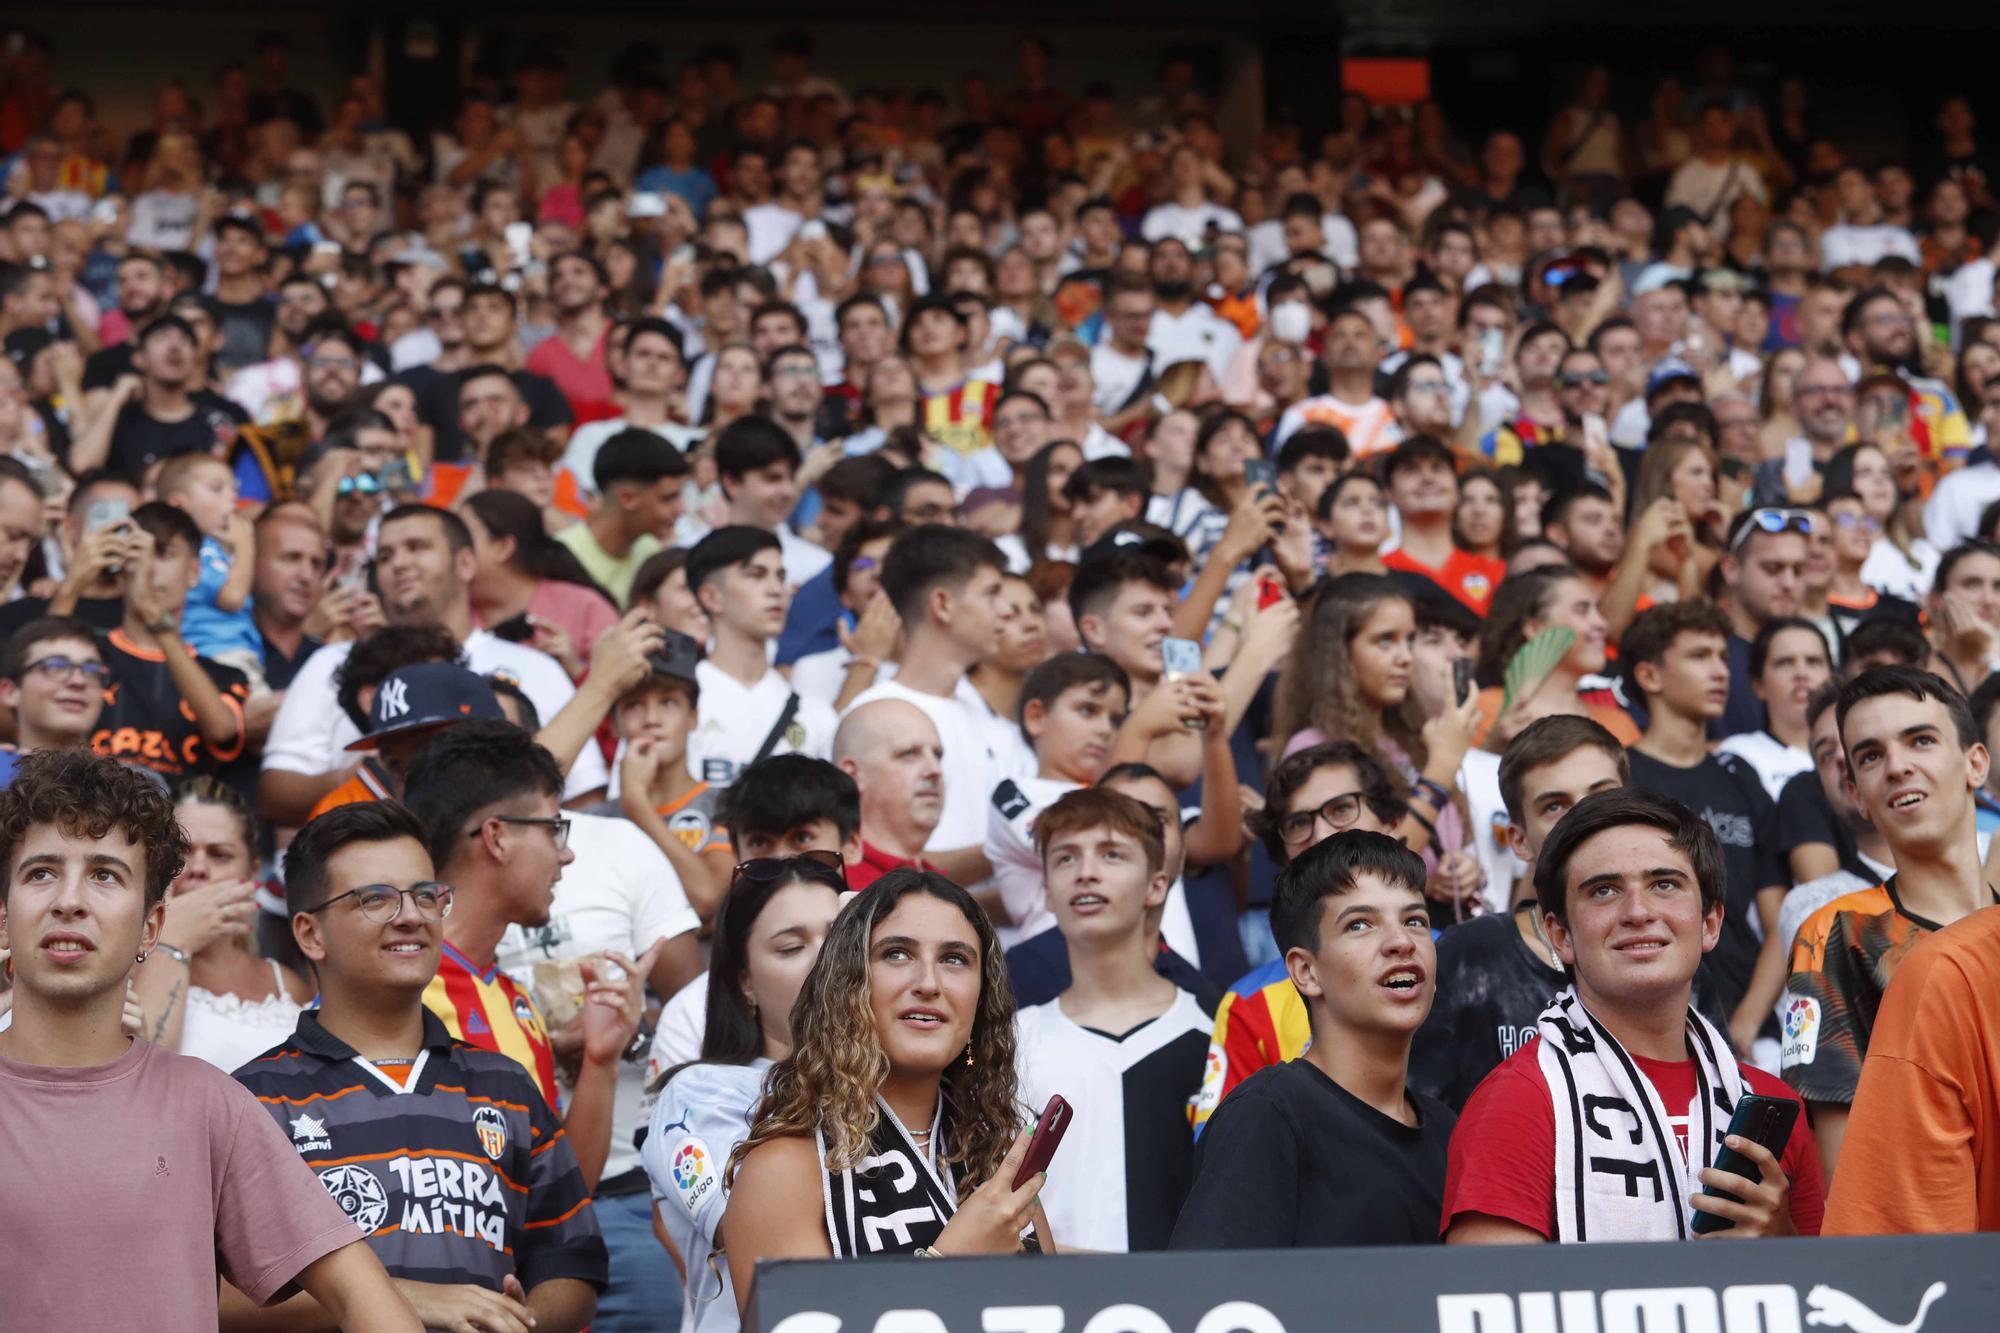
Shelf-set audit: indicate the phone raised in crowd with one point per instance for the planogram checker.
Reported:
(1461, 678)
(1766, 1121)
(106, 514)
(1049, 1131)
(1179, 657)
(1260, 474)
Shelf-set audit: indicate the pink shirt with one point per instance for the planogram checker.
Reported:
(131, 1186)
(583, 381)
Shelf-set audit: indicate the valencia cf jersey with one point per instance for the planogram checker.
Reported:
(483, 1007)
(961, 419)
(1262, 1022)
(453, 1166)
(148, 723)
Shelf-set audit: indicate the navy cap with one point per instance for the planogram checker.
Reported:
(427, 694)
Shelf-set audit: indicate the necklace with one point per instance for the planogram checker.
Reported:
(1535, 921)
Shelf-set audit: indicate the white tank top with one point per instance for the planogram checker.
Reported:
(229, 1031)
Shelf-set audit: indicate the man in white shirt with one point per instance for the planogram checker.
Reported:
(1952, 514)
(653, 374)
(1122, 364)
(749, 711)
(1351, 350)
(772, 225)
(1190, 213)
(1861, 237)
(757, 465)
(424, 566)
(1711, 180)
(1184, 329)
(948, 588)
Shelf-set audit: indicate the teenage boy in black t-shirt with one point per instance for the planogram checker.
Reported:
(1503, 970)
(1332, 1148)
(1677, 656)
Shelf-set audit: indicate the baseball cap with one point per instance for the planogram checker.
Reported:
(427, 694)
(1722, 280)
(1656, 276)
(678, 656)
(1670, 369)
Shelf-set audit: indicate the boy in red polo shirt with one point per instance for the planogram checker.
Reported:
(1423, 485)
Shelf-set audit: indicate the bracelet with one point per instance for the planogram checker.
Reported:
(178, 955)
(1440, 797)
(925, 1252)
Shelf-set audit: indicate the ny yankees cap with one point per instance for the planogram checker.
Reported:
(427, 694)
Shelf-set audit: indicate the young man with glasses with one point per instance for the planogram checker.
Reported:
(52, 679)
(431, 1145)
(1763, 571)
(489, 799)
(1312, 795)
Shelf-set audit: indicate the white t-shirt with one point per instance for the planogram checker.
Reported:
(969, 764)
(1368, 426)
(699, 1119)
(1196, 334)
(620, 894)
(819, 676)
(1850, 245)
(1479, 781)
(1888, 570)
(683, 1023)
(736, 718)
(1952, 513)
(311, 734)
(1776, 762)
(1010, 846)
(580, 457)
(1130, 1132)
(771, 228)
(1188, 224)
(1115, 375)
(803, 559)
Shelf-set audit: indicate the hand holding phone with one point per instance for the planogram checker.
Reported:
(1049, 1131)
(1764, 1121)
(1461, 678)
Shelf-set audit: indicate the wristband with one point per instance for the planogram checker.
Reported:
(1440, 798)
(178, 955)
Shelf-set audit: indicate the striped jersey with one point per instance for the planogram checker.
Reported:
(482, 1007)
(961, 418)
(1262, 1022)
(456, 1172)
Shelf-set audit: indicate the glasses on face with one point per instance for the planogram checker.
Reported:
(64, 668)
(1824, 391)
(861, 564)
(1773, 520)
(801, 371)
(1865, 522)
(1582, 378)
(364, 483)
(334, 363)
(557, 826)
(1428, 386)
(383, 903)
(1339, 813)
(822, 866)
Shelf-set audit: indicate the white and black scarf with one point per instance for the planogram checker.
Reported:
(897, 1199)
(1620, 1171)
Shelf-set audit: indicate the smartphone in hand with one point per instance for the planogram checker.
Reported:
(1049, 1130)
(1766, 1121)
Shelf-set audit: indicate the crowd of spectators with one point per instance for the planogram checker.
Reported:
(630, 658)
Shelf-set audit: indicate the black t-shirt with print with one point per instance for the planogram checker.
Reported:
(1490, 990)
(148, 723)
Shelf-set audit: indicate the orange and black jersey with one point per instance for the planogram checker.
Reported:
(148, 723)
(453, 1167)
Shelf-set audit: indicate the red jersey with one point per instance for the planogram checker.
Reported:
(875, 863)
(1470, 578)
(483, 1007)
(1503, 1153)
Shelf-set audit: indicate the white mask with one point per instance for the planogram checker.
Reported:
(1290, 322)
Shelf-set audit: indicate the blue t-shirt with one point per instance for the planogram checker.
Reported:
(208, 628)
(694, 185)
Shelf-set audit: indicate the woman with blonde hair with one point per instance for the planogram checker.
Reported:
(893, 1126)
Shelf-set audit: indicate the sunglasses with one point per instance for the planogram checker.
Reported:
(1586, 377)
(366, 483)
(1774, 521)
(825, 867)
(1865, 522)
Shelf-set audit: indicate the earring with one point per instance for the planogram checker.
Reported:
(140, 957)
(968, 1055)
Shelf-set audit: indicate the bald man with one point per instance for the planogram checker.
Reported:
(892, 751)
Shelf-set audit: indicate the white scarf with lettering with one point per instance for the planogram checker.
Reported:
(1620, 1171)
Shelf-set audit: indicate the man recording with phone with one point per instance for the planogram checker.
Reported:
(1618, 1120)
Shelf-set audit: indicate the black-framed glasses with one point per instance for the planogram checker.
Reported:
(62, 668)
(383, 903)
(1340, 813)
(557, 826)
(824, 866)
(1582, 378)
(1772, 520)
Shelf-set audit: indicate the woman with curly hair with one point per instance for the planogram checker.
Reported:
(1349, 680)
(903, 1056)
(768, 933)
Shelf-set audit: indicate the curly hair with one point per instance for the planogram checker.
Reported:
(1317, 688)
(370, 660)
(86, 796)
(837, 1065)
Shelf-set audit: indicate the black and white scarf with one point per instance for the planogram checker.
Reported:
(1620, 1171)
(897, 1199)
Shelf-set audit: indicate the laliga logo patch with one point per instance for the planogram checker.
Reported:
(359, 1195)
(1801, 1024)
(694, 1172)
(492, 1128)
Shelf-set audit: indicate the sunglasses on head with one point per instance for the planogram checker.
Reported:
(1772, 520)
(826, 867)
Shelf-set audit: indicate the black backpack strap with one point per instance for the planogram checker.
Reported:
(785, 716)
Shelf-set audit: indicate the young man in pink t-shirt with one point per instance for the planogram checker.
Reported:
(135, 1176)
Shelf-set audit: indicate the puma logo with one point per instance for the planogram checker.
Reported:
(681, 1123)
(1829, 1308)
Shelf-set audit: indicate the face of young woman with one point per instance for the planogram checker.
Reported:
(923, 983)
(1062, 463)
(783, 942)
(1172, 441)
(1875, 483)
(1693, 482)
(1360, 518)
(1573, 606)
(1227, 451)
(1381, 653)
(1794, 667)
(1480, 516)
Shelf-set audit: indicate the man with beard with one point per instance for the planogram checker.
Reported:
(1586, 524)
(270, 390)
(334, 357)
(892, 751)
(1420, 397)
(1823, 402)
(142, 296)
(424, 567)
(491, 338)
(1184, 329)
(1881, 335)
(1540, 418)
(161, 411)
(574, 357)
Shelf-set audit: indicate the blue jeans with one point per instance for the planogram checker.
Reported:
(645, 1291)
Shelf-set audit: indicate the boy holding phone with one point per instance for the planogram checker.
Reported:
(1610, 1124)
(1123, 1044)
(1332, 1148)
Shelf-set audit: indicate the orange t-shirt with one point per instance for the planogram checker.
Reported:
(1922, 1149)
(1468, 577)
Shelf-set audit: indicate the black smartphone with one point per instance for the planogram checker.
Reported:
(1260, 474)
(1461, 678)
(515, 629)
(1766, 1121)
(1048, 1133)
